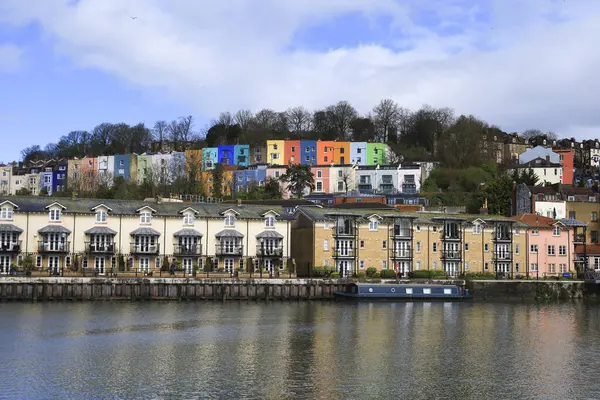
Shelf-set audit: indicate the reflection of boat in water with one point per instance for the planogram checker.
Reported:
(403, 292)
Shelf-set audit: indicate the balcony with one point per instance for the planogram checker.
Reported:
(100, 247)
(344, 232)
(503, 256)
(187, 249)
(387, 188)
(53, 247)
(229, 250)
(10, 247)
(344, 253)
(452, 236)
(401, 254)
(451, 255)
(144, 248)
(269, 251)
(365, 187)
(579, 238)
(402, 232)
(502, 235)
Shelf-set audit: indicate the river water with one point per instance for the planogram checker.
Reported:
(240, 350)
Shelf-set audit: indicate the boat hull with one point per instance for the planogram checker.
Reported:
(399, 297)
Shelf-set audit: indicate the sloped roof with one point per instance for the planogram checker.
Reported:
(535, 220)
(129, 207)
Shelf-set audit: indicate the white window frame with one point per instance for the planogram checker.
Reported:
(6, 213)
(551, 250)
(325, 245)
(270, 221)
(145, 217)
(373, 225)
(556, 231)
(230, 220)
(54, 215)
(562, 250)
(101, 216)
(188, 218)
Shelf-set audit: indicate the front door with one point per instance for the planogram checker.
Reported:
(451, 268)
(269, 266)
(54, 263)
(344, 268)
(100, 265)
(4, 265)
(187, 266)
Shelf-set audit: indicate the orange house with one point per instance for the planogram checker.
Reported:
(291, 152)
(325, 152)
(341, 153)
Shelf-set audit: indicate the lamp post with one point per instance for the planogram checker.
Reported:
(261, 257)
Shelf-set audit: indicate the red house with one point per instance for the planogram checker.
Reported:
(566, 158)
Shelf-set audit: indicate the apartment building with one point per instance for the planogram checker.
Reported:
(5, 179)
(127, 235)
(351, 240)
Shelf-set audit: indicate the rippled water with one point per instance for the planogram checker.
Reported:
(299, 351)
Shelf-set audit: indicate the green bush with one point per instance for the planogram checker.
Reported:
(388, 274)
(321, 272)
(371, 271)
(334, 275)
(376, 275)
(426, 274)
(360, 275)
(480, 275)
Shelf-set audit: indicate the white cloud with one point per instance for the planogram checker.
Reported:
(10, 58)
(540, 68)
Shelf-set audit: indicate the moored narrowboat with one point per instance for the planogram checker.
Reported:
(404, 292)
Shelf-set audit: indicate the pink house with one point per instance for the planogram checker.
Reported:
(551, 251)
(275, 172)
(321, 173)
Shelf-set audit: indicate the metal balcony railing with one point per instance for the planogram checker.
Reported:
(340, 253)
(53, 247)
(144, 248)
(100, 248)
(451, 255)
(13, 246)
(269, 251)
(229, 250)
(187, 249)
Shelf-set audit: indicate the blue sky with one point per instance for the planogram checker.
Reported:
(71, 65)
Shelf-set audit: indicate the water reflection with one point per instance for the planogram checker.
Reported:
(298, 350)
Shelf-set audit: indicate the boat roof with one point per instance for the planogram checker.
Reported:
(402, 284)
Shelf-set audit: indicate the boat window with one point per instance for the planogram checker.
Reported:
(370, 290)
(447, 291)
(393, 290)
(427, 291)
(409, 291)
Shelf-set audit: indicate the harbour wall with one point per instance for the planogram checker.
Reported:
(88, 289)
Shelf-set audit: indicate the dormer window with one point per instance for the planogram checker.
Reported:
(188, 219)
(101, 215)
(145, 217)
(229, 220)
(54, 215)
(270, 222)
(373, 225)
(556, 231)
(6, 213)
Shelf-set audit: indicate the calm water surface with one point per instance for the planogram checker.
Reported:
(299, 351)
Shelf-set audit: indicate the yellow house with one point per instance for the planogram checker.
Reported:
(350, 241)
(275, 151)
(227, 184)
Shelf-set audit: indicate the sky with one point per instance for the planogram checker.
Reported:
(71, 64)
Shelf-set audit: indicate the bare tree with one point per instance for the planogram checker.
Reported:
(159, 131)
(186, 129)
(342, 115)
(347, 178)
(265, 119)
(243, 118)
(299, 119)
(386, 116)
(226, 119)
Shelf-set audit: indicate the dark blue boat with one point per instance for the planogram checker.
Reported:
(404, 292)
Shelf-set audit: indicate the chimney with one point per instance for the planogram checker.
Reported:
(484, 210)
(548, 158)
(239, 202)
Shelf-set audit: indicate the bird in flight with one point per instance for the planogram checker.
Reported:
(133, 17)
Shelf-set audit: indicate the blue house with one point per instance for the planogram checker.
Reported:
(242, 155)
(59, 176)
(242, 179)
(226, 153)
(358, 153)
(46, 181)
(122, 167)
(308, 152)
(210, 156)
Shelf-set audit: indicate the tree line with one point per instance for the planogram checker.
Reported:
(428, 133)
